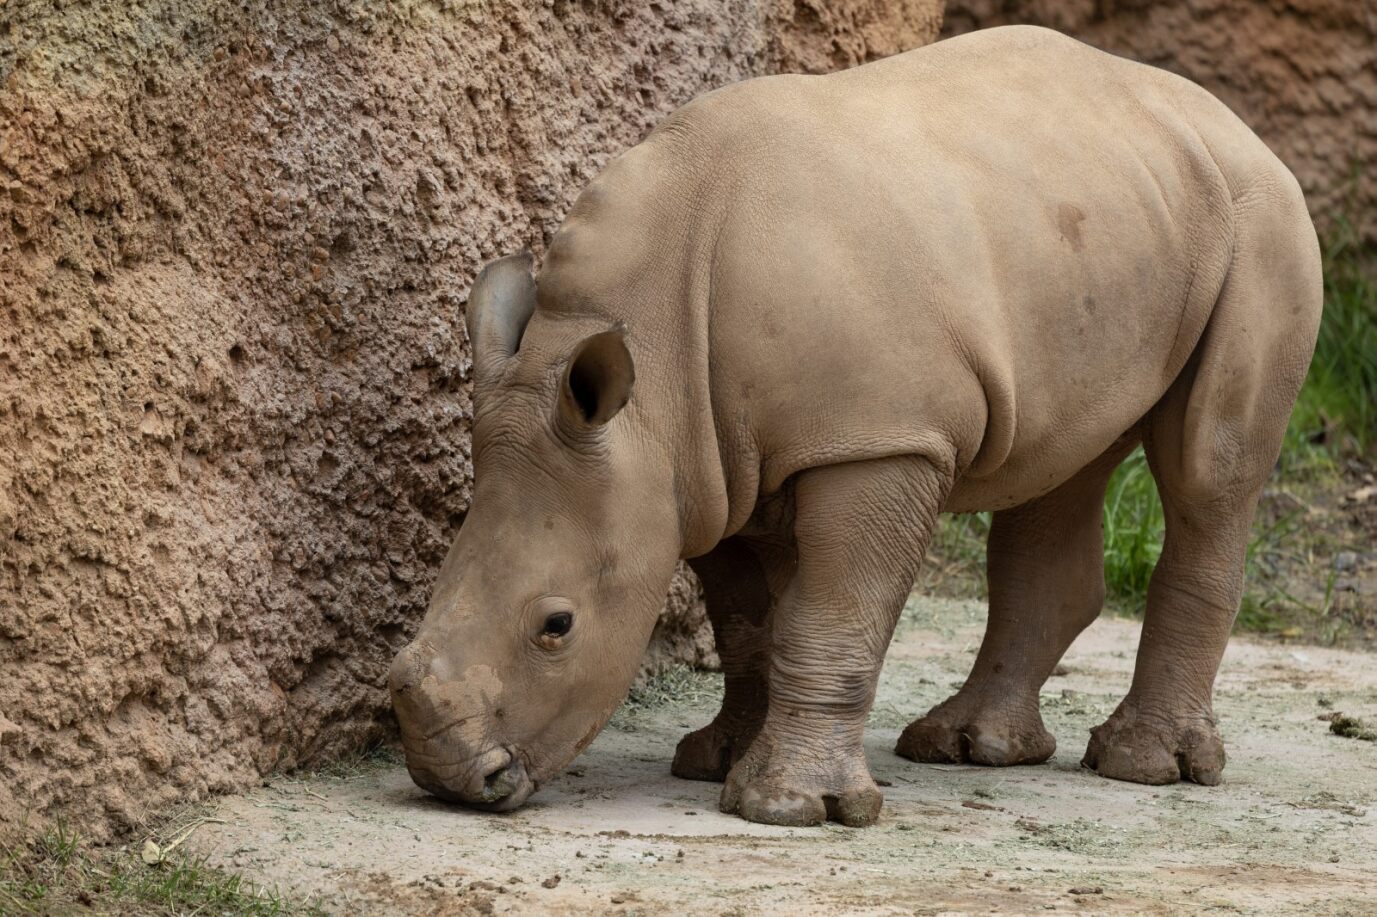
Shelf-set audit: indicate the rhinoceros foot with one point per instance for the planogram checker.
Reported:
(773, 789)
(710, 752)
(973, 730)
(1155, 750)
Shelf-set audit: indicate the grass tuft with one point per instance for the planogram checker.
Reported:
(675, 685)
(57, 872)
(1133, 530)
(363, 760)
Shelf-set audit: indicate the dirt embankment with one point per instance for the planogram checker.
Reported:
(235, 239)
(1302, 73)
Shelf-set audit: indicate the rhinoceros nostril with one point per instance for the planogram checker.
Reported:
(502, 782)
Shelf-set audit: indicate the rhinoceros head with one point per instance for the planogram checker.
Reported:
(547, 598)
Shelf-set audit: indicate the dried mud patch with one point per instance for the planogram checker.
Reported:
(1293, 828)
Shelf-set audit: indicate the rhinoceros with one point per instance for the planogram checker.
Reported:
(802, 318)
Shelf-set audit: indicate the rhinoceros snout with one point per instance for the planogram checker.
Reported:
(498, 783)
(439, 743)
(504, 788)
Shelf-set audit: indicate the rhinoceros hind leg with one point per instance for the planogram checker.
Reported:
(1164, 729)
(861, 530)
(1211, 443)
(740, 579)
(1046, 576)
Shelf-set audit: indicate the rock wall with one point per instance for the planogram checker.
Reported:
(1302, 73)
(235, 242)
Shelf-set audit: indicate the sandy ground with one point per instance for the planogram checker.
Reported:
(1293, 828)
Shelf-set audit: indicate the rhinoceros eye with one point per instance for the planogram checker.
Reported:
(558, 624)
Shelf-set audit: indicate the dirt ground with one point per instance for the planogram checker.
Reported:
(1293, 828)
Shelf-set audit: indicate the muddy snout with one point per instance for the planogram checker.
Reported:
(481, 784)
(450, 751)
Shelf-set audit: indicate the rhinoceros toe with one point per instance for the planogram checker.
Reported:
(1155, 750)
(781, 790)
(990, 736)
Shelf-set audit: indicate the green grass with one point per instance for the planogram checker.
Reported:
(1337, 408)
(1335, 418)
(1133, 529)
(57, 872)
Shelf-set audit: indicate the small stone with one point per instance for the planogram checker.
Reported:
(550, 882)
(1087, 890)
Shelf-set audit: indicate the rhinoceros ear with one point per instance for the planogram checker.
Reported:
(500, 304)
(598, 380)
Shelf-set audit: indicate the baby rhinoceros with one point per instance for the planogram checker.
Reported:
(801, 319)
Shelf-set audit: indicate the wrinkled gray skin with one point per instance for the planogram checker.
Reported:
(801, 319)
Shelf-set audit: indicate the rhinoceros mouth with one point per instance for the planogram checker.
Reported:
(497, 780)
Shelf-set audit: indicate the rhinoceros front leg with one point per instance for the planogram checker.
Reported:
(740, 579)
(860, 530)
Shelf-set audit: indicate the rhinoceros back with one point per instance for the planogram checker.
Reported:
(1001, 249)
(998, 251)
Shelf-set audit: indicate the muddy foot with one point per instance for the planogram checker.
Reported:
(1129, 746)
(762, 789)
(960, 732)
(710, 752)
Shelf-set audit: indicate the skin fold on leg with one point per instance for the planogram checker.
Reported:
(1045, 566)
(741, 579)
(861, 530)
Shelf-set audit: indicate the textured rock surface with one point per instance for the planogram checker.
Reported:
(235, 240)
(1302, 73)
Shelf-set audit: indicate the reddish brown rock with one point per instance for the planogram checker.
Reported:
(235, 241)
(1302, 73)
